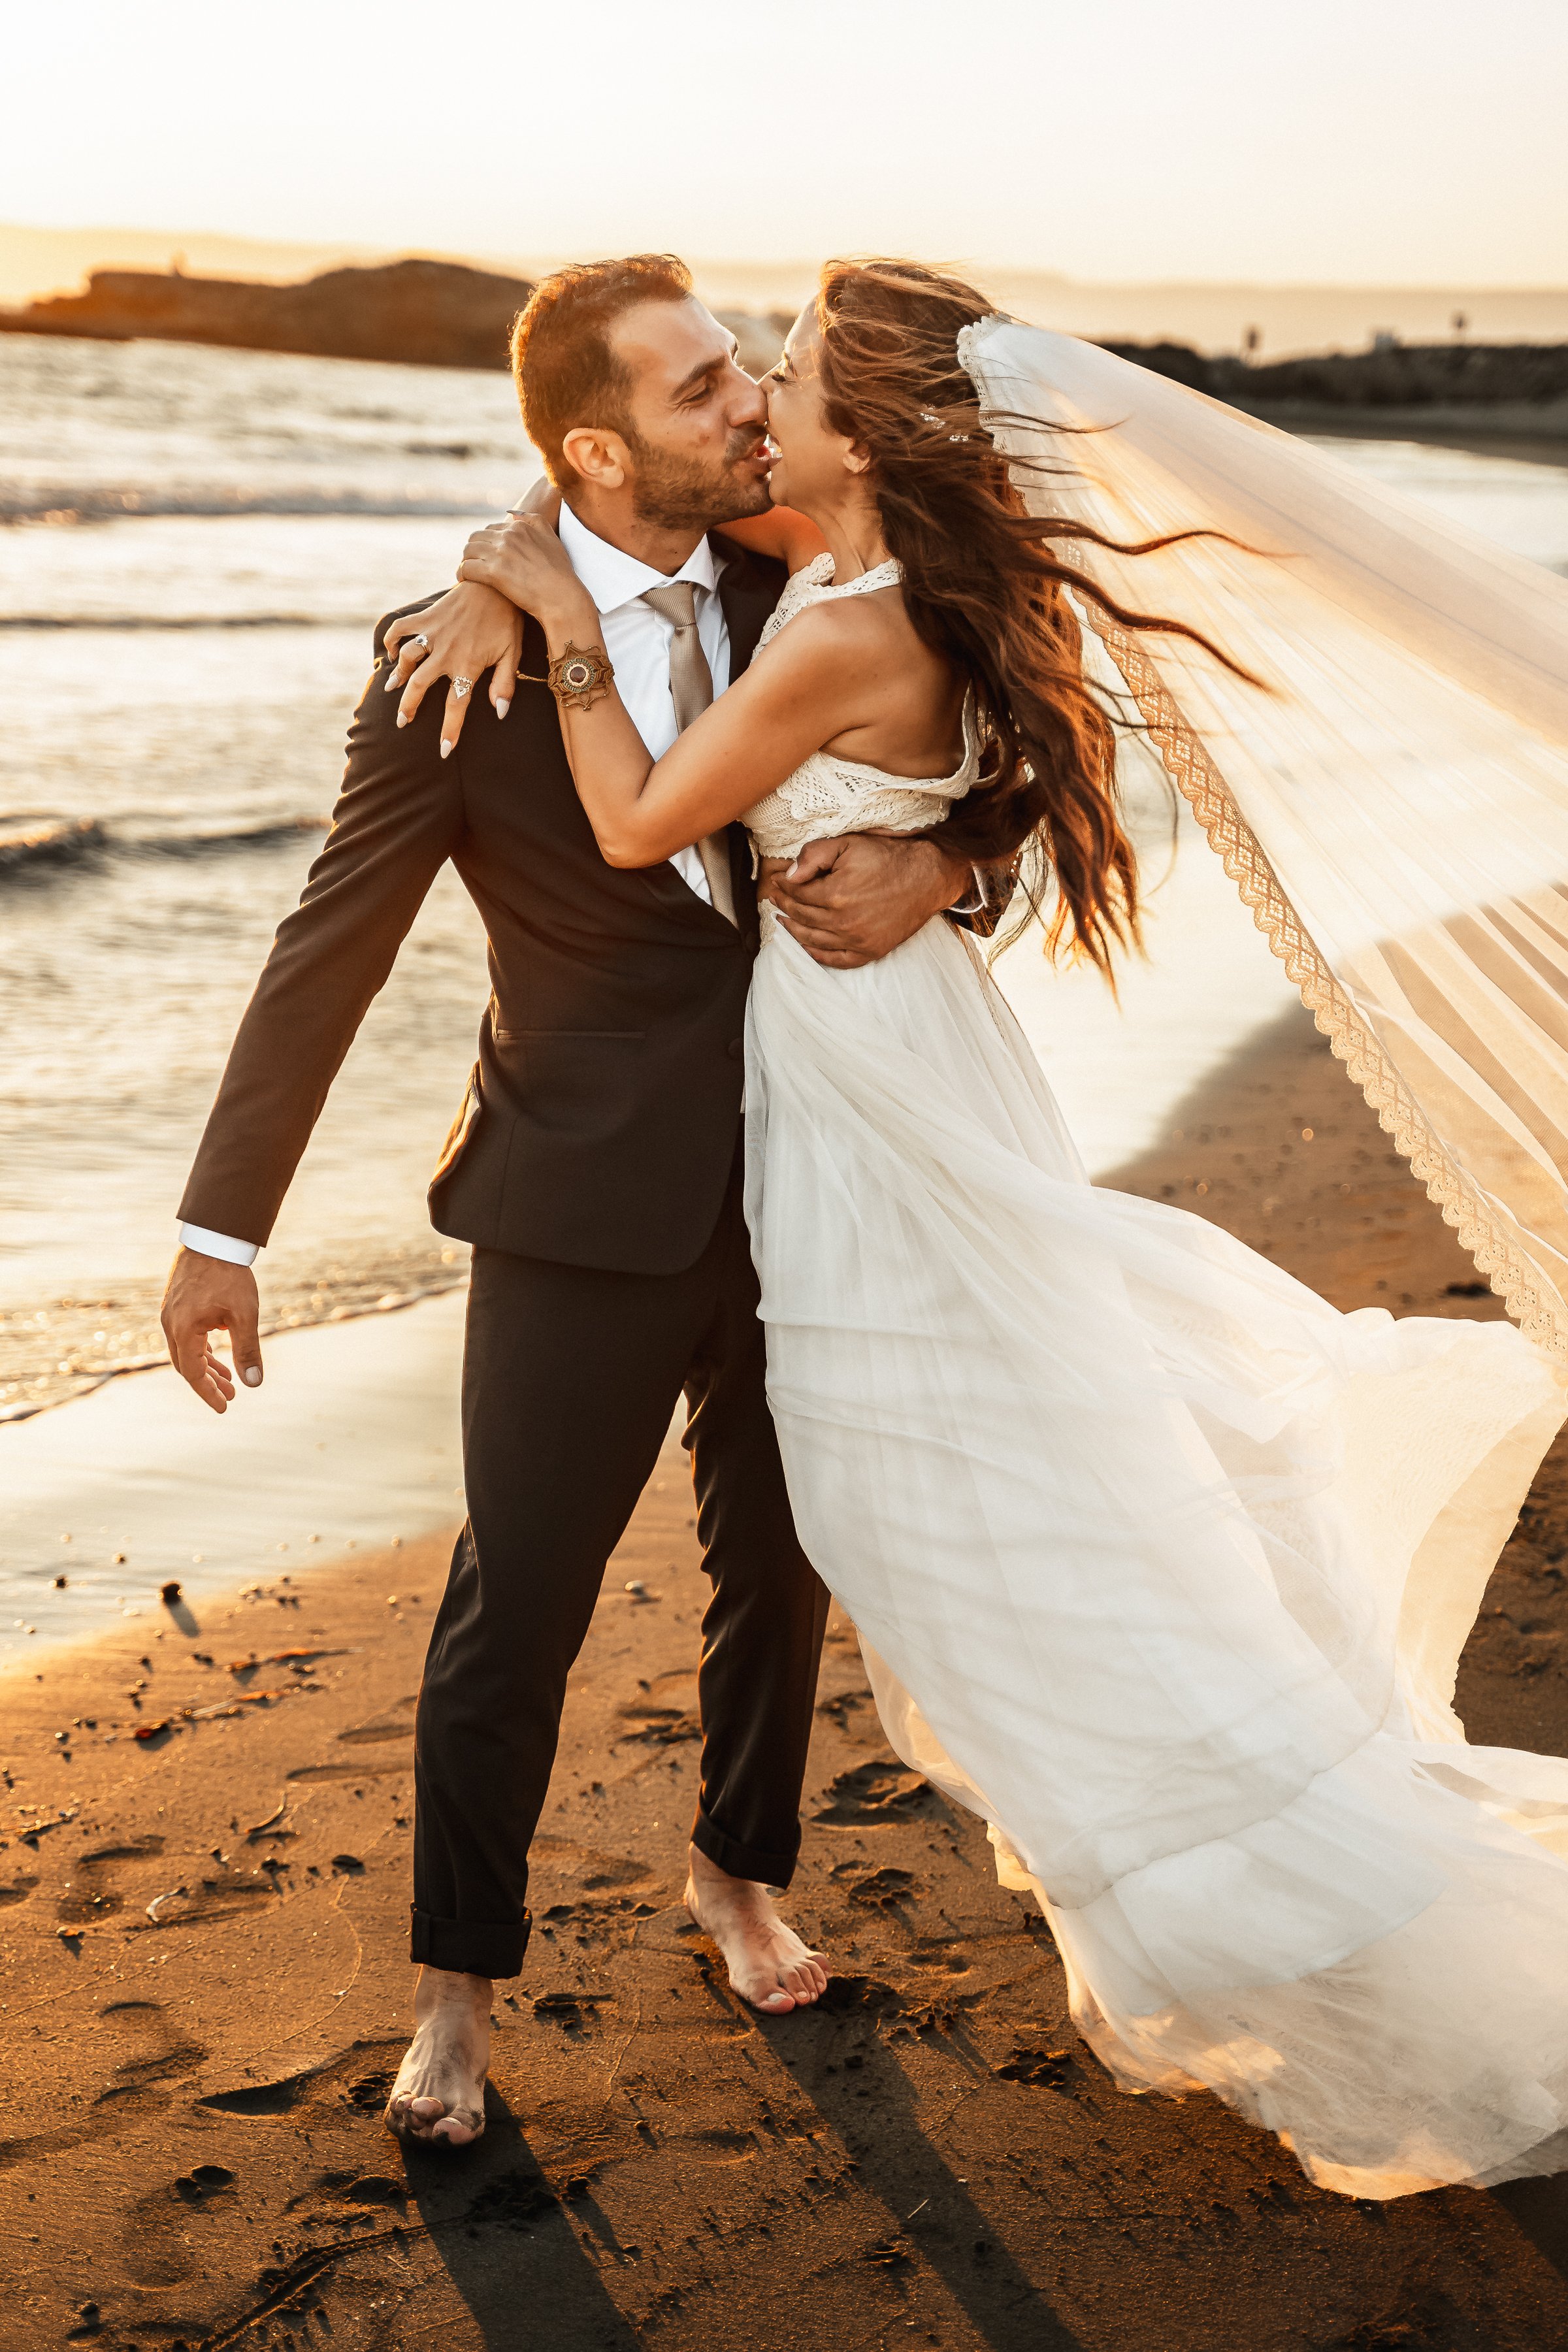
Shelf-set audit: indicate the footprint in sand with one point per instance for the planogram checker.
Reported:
(847, 1709)
(157, 2249)
(155, 2054)
(351, 2080)
(159, 2053)
(885, 1889)
(879, 1792)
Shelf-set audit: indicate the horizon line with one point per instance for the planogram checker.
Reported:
(346, 249)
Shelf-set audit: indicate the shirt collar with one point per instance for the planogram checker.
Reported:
(613, 578)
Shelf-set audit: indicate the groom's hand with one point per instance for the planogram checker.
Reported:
(207, 1295)
(851, 901)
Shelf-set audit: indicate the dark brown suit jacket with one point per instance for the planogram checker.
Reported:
(600, 1121)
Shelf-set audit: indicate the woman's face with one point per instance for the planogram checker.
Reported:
(814, 466)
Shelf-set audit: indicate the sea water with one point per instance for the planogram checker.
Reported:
(196, 546)
(199, 543)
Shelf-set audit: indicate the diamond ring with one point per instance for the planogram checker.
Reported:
(420, 641)
(462, 686)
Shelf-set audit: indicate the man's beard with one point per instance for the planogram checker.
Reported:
(684, 494)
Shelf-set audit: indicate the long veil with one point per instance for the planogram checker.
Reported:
(1394, 809)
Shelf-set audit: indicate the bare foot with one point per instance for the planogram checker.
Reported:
(439, 2093)
(768, 1964)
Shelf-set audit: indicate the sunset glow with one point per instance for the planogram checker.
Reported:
(1352, 144)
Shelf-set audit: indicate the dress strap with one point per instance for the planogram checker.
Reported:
(883, 575)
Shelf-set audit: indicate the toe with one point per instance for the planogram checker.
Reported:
(777, 2005)
(459, 2128)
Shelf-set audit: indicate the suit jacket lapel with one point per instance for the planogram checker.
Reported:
(748, 588)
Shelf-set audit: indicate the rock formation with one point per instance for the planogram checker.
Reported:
(434, 313)
(1489, 388)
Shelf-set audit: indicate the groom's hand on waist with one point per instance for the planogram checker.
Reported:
(207, 1295)
(851, 901)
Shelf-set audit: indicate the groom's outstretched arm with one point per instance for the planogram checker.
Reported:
(398, 818)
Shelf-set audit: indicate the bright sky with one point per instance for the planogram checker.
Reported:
(1366, 141)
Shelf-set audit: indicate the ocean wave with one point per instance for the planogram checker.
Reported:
(182, 621)
(29, 845)
(49, 841)
(53, 1355)
(62, 503)
(207, 844)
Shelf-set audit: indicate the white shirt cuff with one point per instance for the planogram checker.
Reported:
(224, 1245)
(973, 902)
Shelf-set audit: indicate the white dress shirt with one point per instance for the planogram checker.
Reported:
(637, 642)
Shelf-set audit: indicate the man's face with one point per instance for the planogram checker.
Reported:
(699, 440)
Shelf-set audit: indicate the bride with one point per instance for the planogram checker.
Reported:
(1161, 1564)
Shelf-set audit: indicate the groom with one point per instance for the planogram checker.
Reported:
(594, 1165)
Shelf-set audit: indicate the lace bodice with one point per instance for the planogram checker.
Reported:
(828, 796)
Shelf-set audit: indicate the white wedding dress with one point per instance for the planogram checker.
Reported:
(1161, 1564)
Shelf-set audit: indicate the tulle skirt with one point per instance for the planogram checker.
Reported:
(1164, 1567)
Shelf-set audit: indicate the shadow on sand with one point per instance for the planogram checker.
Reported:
(507, 2241)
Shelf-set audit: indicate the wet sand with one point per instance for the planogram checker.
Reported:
(352, 1438)
(193, 2154)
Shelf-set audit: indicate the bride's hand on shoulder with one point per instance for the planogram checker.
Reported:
(523, 560)
(472, 628)
(467, 631)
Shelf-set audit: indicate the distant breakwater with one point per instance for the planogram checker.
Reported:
(1513, 390)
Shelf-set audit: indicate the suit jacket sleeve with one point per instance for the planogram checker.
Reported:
(398, 818)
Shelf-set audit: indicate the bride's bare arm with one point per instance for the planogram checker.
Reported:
(822, 678)
(475, 627)
(791, 539)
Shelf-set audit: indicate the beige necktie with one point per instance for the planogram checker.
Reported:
(691, 690)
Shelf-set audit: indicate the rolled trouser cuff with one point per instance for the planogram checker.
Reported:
(740, 1861)
(474, 1948)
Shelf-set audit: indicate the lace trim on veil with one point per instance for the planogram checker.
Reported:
(1530, 1298)
(1200, 782)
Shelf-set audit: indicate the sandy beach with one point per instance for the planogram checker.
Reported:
(272, 317)
(203, 1881)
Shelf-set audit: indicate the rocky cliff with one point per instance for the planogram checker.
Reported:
(435, 313)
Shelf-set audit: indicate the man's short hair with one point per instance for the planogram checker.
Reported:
(562, 356)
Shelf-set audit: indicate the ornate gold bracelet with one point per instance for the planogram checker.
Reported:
(580, 677)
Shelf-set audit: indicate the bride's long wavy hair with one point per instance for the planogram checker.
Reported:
(985, 585)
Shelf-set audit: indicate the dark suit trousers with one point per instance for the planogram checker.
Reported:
(570, 1378)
